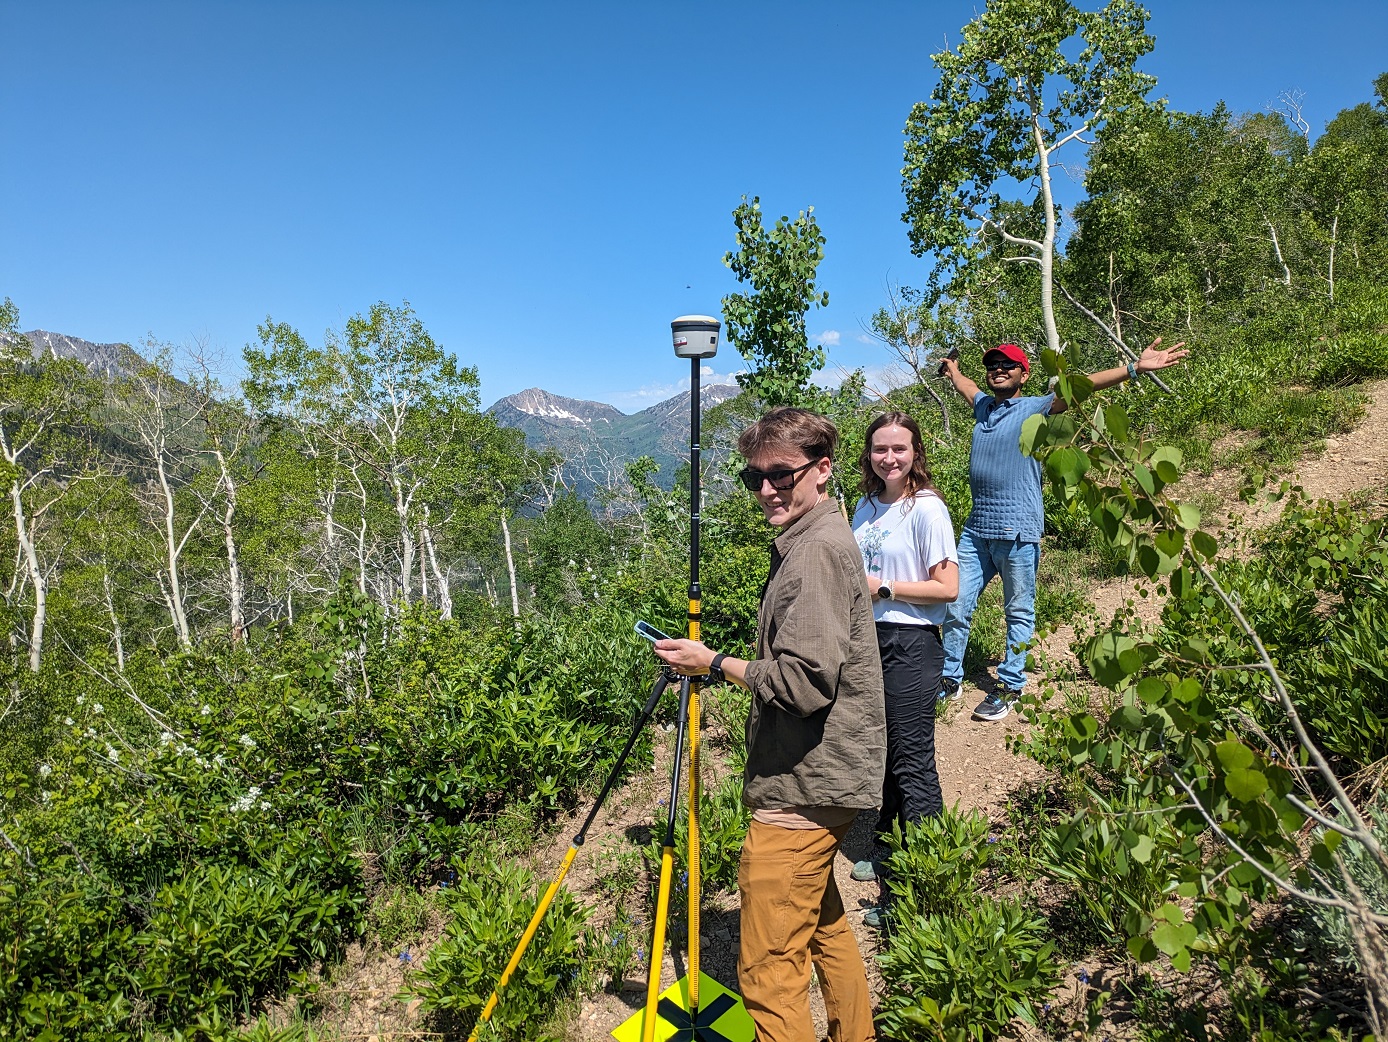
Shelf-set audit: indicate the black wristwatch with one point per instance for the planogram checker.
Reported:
(715, 670)
(884, 592)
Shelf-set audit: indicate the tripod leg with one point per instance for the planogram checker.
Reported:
(638, 726)
(667, 851)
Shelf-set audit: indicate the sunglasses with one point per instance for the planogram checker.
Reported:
(781, 480)
(1004, 366)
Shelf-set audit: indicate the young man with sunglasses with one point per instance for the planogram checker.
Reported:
(816, 737)
(1002, 535)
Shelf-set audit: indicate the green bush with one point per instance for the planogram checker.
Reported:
(966, 976)
(936, 862)
(490, 905)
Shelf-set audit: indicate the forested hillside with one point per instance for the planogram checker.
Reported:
(314, 661)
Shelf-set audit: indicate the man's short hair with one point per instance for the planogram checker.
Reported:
(790, 428)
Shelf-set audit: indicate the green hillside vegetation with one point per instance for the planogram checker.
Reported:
(318, 660)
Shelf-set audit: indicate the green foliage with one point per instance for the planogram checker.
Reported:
(996, 117)
(1200, 771)
(490, 905)
(936, 863)
(723, 821)
(768, 325)
(966, 976)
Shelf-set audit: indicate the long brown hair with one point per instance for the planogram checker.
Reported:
(919, 476)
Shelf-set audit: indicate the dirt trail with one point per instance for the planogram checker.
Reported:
(976, 769)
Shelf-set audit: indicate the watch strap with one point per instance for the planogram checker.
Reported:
(715, 670)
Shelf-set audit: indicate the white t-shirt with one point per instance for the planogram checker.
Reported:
(901, 542)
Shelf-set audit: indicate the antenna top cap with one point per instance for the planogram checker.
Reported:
(695, 336)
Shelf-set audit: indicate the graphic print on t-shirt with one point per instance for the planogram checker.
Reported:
(870, 540)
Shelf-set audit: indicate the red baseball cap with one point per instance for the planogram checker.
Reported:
(1012, 353)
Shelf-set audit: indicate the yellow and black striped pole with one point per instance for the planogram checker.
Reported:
(688, 725)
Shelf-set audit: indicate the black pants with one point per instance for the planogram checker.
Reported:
(912, 661)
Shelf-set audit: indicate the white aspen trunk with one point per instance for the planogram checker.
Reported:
(1277, 250)
(402, 511)
(236, 592)
(423, 568)
(440, 580)
(175, 592)
(289, 604)
(510, 568)
(1047, 257)
(1334, 236)
(108, 595)
(31, 562)
(361, 555)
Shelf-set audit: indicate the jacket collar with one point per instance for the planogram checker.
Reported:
(806, 522)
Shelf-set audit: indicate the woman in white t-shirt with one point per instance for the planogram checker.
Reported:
(904, 531)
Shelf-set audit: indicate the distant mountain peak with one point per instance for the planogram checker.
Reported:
(555, 408)
(108, 360)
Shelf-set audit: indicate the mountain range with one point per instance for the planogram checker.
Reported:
(106, 360)
(597, 440)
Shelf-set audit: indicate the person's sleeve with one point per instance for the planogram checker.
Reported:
(1041, 404)
(935, 534)
(799, 670)
(981, 405)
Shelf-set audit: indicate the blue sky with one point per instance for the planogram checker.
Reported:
(548, 184)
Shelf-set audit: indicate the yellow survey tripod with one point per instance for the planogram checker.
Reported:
(695, 338)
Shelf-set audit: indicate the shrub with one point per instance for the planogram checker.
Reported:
(967, 976)
(490, 905)
(936, 862)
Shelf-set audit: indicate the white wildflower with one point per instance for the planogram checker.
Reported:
(218, 760)
(98, 709)
(264, 804)
(166, 738)
(206, 710)
(45, 770)
(81, 699)
(247, 741)
(68, 721)
(91, 732)
(111, 753)
(247, 801)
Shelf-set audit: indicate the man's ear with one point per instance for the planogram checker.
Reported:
(823, 472)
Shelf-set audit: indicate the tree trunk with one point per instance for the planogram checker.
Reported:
(236, 589)
(172, 549)
(1277, 250)
(510, 568)
(440, 580)
(1047, 257)
(1334, 235)
(108, 595)
(31, 563)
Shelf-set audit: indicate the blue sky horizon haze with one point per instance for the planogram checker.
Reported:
(547, 184)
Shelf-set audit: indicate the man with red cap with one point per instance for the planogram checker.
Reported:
(1002, 535)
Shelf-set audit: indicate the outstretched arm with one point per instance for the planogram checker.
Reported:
(961, 383)
(1152, 359)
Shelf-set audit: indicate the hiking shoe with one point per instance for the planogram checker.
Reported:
(877, 917)
(995, 706)
(863, 872)
(951, 690)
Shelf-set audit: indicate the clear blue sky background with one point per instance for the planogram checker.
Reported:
(547, 183)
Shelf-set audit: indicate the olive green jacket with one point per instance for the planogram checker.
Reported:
(816, 732)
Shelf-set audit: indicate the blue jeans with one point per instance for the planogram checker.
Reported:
(979, 560)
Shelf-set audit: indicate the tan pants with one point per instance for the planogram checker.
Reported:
(792, 914)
